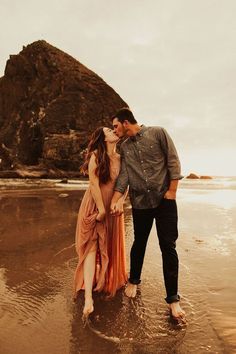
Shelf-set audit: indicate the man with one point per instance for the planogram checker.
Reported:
(150, 167)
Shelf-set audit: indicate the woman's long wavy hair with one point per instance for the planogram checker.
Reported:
(98, 146)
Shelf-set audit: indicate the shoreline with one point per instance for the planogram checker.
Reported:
(38, 260)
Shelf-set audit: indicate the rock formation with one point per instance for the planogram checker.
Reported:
(49, 105)
(194, 176)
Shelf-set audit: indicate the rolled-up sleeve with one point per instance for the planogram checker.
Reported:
(172, 158)
(122, 181)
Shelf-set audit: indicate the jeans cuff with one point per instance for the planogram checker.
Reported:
(134, 281)
(173, 298)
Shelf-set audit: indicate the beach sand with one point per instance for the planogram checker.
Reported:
(37, 262)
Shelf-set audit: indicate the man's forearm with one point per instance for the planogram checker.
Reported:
(171, 192)
(116, 196)
(173, 185)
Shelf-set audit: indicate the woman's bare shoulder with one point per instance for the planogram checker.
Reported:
(92, 160)
(93, 155)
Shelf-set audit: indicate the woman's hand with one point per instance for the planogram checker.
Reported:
(101, 215)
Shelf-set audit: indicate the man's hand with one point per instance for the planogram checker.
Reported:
(113, 207)
(120, 206)
(116, 201)
(170, 194)
(117, 208)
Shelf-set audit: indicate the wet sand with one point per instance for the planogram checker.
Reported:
(37, 261)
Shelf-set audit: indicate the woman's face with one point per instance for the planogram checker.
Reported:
(110, 136)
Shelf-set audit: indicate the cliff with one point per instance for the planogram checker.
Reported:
(49, 105)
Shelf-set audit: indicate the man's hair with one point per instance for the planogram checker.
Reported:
(124, 114)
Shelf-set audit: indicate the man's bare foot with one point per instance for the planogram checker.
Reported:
(131, 290)
(176, 311)
(88, 307)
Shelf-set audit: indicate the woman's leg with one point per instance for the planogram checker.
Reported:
(89, 271)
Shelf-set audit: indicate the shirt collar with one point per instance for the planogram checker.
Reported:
(142, 130)
(139, 133)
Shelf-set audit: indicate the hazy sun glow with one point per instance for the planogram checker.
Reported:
(220, 162)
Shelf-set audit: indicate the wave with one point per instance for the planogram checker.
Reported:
(227, 182)
(216, 182)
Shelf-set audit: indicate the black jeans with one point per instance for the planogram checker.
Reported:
(166, 218)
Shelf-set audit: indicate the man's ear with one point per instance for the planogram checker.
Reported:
(126, 122)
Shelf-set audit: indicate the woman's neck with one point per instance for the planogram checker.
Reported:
(111, 149)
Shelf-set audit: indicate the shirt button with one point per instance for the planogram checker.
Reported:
(142, 161)
(148, 190)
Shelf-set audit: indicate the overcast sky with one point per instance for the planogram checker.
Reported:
(172, 61)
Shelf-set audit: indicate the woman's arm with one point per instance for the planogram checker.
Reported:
(121, 188)
(95, 188)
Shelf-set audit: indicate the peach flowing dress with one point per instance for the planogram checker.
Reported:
(110, 274)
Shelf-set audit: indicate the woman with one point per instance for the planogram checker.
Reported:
(100, 235)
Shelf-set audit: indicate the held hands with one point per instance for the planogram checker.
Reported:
(116, 208)
(170, 194)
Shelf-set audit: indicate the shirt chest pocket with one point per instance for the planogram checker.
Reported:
(154, 151)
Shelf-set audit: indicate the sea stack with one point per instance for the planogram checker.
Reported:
(49, 105)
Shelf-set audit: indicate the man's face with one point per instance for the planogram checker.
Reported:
(119, 128)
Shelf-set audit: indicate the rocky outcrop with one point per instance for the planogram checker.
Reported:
(49, 105)
(194, 176)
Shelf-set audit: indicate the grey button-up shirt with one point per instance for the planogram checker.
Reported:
(149, 161)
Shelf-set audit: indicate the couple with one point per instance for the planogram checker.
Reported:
(148, 165)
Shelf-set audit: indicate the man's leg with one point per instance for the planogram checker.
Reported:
(167, 230)
(142, 220)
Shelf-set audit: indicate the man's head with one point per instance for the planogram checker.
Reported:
(123, 122)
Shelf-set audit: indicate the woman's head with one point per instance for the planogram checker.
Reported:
(110, 136)
(101, 137)
(98, 145)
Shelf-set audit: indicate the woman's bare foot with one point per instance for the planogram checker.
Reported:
(176, 311)
(131, 290)
(88, 307)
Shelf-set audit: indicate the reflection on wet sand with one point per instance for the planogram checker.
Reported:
(37, 266)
